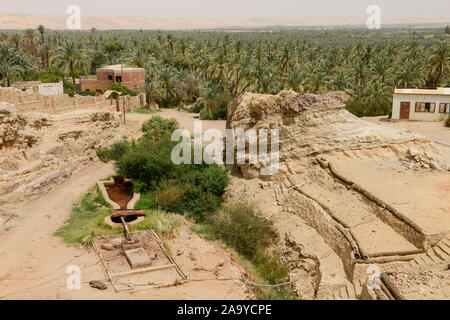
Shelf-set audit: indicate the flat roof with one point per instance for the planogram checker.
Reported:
(437, 91)
(119, 68)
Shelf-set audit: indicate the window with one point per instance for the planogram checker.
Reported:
(119, 79)
(110, 77)
(425, 107)
(444, 108)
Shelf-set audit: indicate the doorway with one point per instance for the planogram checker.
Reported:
(404, 110)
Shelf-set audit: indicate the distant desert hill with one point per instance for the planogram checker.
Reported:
(20, 21)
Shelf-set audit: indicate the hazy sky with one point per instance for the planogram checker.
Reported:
(228, 8)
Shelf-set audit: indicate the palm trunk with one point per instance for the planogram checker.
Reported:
(72, 73)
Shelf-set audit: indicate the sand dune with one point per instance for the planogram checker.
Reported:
(19, 21)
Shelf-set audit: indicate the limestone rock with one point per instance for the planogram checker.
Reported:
(309, 125)
(98, 285)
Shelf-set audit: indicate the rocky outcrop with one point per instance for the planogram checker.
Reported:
(38, 151)
(309, 125)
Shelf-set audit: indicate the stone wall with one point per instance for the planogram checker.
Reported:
(51, 89)
(63, 103)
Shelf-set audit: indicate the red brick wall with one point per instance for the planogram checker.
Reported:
(131, 80)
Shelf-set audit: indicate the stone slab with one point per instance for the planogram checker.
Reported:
(138, 258)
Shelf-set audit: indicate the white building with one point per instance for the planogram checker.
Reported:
(51, 89)
(421, 104)
(45, 89)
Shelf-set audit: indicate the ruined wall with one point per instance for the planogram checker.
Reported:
(38, 151)
(51, 89)
(63, 103)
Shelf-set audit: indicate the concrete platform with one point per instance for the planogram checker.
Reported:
(138, 258)
(373, 236)
(421, 196)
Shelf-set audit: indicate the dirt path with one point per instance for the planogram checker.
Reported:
(435, 131)
(185, 119)
(33, 262)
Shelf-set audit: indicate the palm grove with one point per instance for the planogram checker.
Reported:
(206, 70)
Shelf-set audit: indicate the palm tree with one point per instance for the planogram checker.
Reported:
(317, 82)
(167, 77)
(138, 58)
(68, 56)
(340, 82)
(294, 80)
(29, 37)
(410, 75)
(41, 30)
(152, 91)
(12, 63)
(439, 62)
(15, 39)
(378, 97)
(381, 67)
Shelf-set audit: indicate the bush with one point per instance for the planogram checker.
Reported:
(157, 127)
(213, 105)
(87, 93)
(114, 152)
(69, 91)
(117, 86)
(241, 227)
(447, 123)
(195, 189)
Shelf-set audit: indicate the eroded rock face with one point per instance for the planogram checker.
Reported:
(309, 125)
(38, 151)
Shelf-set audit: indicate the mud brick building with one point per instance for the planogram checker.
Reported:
(131, 78)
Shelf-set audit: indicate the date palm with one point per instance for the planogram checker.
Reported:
(439, 62)
(41, 30)
(12, 63)
(69, 56)
(29, 37)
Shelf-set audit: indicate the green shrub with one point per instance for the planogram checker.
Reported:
(86, 218)
(87, 93)
(114, 152)
(69, 91)
(117, 86)
(194, 189)
(143, 110)
(241, 227)
(157, 127)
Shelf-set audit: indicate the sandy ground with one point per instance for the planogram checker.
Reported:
(108, 22)
(185, 119)
(435, 131)
(33, 263)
